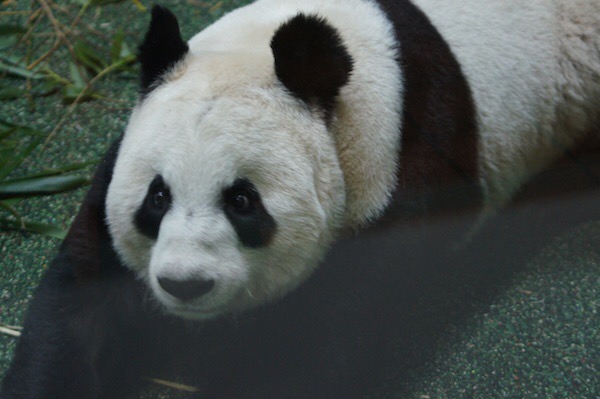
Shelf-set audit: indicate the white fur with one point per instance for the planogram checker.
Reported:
(368, 113)
(221, 114)
(534, 70)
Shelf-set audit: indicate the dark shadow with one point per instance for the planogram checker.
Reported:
(434, 285)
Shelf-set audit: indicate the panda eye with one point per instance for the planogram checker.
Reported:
(241, 197)
(156, 204)
(241, 201)
(160, 199)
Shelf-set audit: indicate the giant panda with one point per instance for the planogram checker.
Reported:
(261, 143)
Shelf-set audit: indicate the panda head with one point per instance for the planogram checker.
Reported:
(227, 187)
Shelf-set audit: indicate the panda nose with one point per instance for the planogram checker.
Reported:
(186, 290)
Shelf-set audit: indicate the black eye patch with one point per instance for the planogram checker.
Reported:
(156, 204)
(243, 207)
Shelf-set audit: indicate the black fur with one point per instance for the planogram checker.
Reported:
(255, 227)
(161, 49)
(78, 338)
(439, 155)
(311, 60)
(148, 217)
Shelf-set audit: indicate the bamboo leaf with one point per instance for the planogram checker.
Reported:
(139, 5)
(11, 93)
(14, 161)
(9, 35)
(40, 186)
(77, 75)
(104, 2)
(87, 56)
(56, 171)
(11, 30)
(19, 71)
(120, 53)
(4, 125)
(117, 46)
(34, 227)
(70, 93)
(6, 205)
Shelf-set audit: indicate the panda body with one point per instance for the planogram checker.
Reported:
(399, 125)
(282, 128)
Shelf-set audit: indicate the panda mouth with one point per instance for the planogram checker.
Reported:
(195, 313)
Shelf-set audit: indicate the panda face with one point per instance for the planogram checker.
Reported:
(225, 201)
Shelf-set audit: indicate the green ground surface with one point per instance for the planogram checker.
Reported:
(538, 338)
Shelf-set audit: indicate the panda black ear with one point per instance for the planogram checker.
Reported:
(161, 49)
(311, 60)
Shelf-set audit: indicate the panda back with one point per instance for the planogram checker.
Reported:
(534, 72)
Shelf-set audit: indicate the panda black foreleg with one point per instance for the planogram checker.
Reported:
(79, 339)
(305, 346)
(324, 375)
